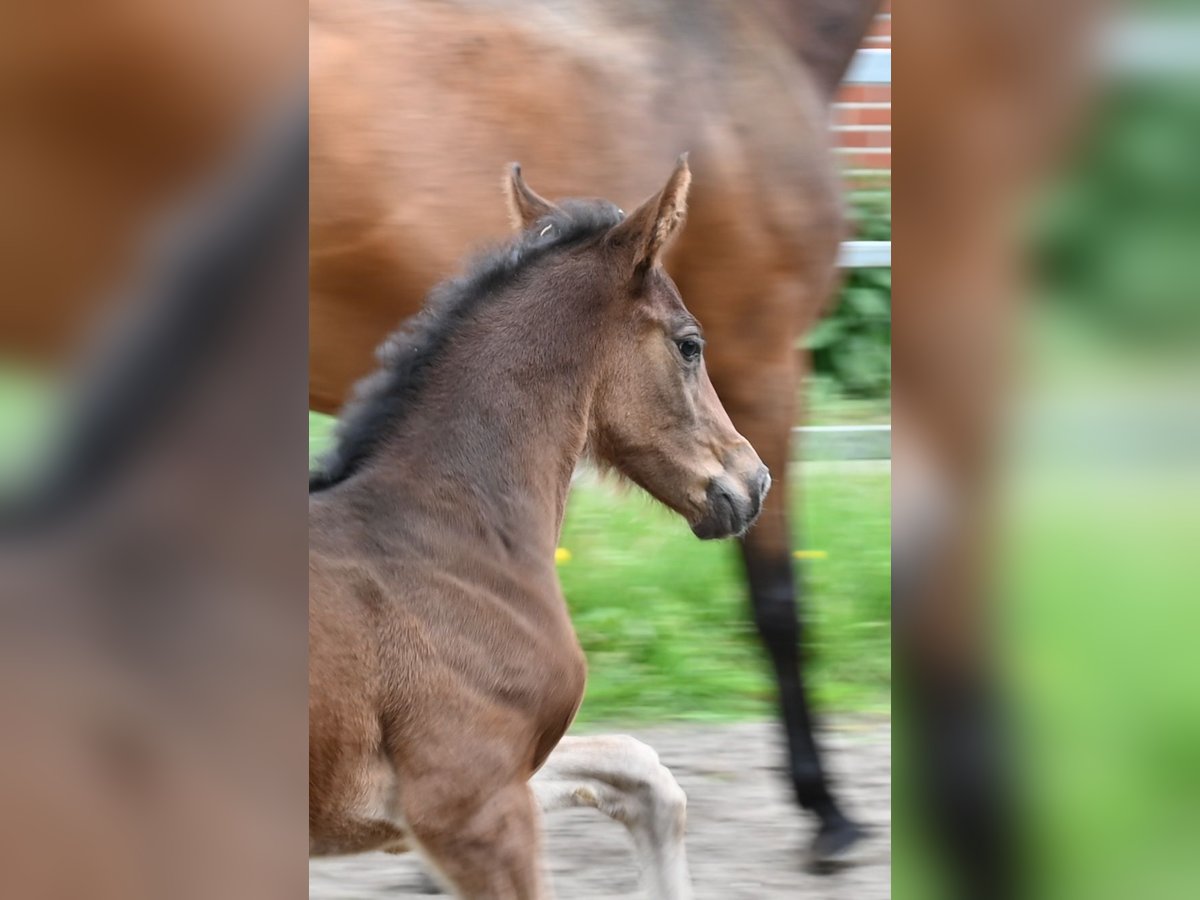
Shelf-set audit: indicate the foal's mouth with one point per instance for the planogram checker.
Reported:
(729, 512)
(727, 515)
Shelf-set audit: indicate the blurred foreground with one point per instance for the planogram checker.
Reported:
(1047, 463)
(152, 626)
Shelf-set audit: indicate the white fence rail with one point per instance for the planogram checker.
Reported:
(870, 66)
(842, 442)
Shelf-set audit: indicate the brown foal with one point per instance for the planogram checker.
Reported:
(444, 669)
(409, 103)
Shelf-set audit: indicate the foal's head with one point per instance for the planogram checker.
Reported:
(655, 416)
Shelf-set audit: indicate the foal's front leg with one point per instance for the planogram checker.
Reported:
(622, 777)
(485, 850)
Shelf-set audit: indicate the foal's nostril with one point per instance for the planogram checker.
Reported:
(722, 501)
(763, 481)
(760, 483)
(733, 505)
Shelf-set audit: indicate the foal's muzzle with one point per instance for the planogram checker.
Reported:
(733, 508)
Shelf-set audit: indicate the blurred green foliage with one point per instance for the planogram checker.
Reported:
(1102, 568)
(852, 346)
(1118, 238)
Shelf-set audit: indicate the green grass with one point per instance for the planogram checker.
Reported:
(664, 618)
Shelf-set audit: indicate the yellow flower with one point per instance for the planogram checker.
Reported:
(562, 556)
(810, 554)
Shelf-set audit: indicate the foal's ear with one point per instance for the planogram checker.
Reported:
(649, 228)
(524, 206)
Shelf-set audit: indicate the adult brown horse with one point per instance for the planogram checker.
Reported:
(444, 670)
(412, 106)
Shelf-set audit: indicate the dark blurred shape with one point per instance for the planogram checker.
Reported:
(984, 92)
(202, 276)
(152, 631)
(1027, 729)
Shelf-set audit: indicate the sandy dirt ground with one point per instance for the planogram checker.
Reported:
(745, 837)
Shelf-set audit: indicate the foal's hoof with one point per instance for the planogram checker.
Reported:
(425, 884)
(833, 845)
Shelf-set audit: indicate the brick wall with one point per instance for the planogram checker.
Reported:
(862, 118)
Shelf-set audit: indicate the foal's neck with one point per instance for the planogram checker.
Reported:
(500, 424)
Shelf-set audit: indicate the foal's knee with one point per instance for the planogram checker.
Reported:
(659, 801)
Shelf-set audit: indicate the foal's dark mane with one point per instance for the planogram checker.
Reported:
(382, 399)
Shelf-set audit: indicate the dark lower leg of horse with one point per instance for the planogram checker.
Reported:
(961, 743)
(772, 592)
(490, 852)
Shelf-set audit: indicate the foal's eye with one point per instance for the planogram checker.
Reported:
(689, 348)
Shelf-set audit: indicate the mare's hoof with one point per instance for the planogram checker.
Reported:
(833, 845)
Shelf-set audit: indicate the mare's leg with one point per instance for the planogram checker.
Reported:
(763, 409)
(755, 289)
(623, 778)
(483, 848)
